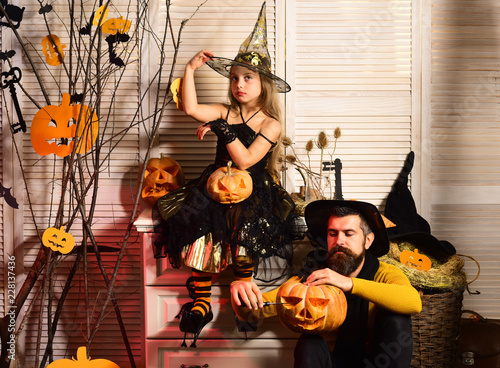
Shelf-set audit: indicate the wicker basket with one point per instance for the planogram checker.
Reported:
(436, 329)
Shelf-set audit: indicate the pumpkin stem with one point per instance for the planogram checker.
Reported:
(81, 354)
(229, 163)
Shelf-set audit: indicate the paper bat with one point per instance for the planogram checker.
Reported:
(111, 40)
(45, 9)
(6, 55)
(5, 193)
(86, 30)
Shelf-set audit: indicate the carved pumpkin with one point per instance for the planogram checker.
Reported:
(228, 185)
(114, 25)
(58, 240)
(311, 309)
(415, 259)
(82, 361)
(162, 175)
(53, 51)
(53, 129)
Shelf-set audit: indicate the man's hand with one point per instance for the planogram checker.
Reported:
(246, 293)
(328, 276)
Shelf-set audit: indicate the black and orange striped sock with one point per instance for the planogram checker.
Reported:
(243, 270)
(203, 292)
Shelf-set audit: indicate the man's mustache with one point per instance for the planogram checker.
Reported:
(339, 249)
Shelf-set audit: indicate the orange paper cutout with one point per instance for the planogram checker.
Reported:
(53, 51)
(53, 128)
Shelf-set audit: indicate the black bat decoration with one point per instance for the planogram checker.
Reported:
(5, 193)
(45, 9)
(86, 30)
(77, 97)
(6, 55)
(111, 40)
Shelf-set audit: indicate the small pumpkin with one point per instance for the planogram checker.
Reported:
(311, 309)
(58, 240)
(161, 176)
(53, 129)
(115, 25)
(82, 361)
(229, 185)
(415, 259)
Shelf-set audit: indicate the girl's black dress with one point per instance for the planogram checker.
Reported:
(207, 235)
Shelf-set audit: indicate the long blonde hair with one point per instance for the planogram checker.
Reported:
(270, 106)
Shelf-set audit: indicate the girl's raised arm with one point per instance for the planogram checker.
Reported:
(192, 108)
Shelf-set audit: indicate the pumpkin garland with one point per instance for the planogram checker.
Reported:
(311, 309)
(228, 185)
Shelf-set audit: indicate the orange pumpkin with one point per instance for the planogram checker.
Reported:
(53, 129)
(162, 175)
(415, 259)
(58, 240)
(82, 361)
(311, 309)
(114, 25)
(228, 185)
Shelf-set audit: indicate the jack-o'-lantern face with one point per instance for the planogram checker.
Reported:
(114, 25)
(54, 128)
(311, 309)
(415, 260)
(58, 240)
(227, 185)
(162, 175)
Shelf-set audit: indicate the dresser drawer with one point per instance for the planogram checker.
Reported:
(163, 304)
(261, 353)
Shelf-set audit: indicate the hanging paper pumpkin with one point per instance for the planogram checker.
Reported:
(162, 175)
(100, 13)
(311, 309)
(415, 259)
(114, 25)
(176, 89)
(53, 129)
(53, 51)
(82, 361)
(58, 240)
(228, 185)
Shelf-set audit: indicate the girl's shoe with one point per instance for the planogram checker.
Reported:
(193, 322)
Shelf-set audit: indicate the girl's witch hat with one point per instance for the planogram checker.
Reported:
(253, 54)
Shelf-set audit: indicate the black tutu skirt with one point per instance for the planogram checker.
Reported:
(262, 226)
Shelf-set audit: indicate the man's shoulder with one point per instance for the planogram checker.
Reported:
(386, 269)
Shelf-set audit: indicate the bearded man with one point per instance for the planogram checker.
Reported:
(380, 299)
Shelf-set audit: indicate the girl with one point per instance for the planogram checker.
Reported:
(209, 236)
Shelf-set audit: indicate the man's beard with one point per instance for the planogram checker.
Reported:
(345, 262)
